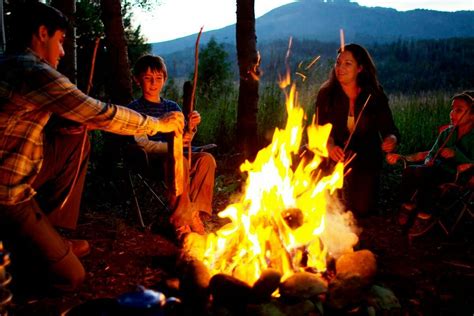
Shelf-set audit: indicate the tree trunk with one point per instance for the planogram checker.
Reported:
(248, 67)
(2, 29)
(119, 83)
(68, 64)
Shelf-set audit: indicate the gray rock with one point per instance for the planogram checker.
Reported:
(303, 285)
(267, 284)
(227, 290)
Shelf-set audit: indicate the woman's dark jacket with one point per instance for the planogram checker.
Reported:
(376, 122)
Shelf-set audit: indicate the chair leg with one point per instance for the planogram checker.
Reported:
(139, 212)
(153, 192)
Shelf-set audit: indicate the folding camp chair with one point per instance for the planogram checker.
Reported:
(137, 164)
(453, 206)
(138, 168)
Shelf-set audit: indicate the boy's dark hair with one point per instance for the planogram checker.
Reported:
(466, 96)
(26, 19)
(155, 63)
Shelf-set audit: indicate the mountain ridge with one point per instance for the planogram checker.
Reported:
(318, 20)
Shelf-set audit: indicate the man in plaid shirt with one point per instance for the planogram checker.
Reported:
(39, 167)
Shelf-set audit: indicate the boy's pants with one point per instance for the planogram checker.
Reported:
(28, 228)
(423, 180)
(198, 188)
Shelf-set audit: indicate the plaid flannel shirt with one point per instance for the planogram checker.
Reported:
(30, 91)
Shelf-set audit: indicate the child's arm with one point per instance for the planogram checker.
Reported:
(393, 158)
(151, 146)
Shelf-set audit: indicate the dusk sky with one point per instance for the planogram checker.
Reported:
(177, 18)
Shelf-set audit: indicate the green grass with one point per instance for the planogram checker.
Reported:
(418, 118)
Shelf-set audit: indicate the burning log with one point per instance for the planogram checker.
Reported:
(294, 217)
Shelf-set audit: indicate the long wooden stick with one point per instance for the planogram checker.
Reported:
(193, 91)
(356, 123)
(84, 135)
(91, 74)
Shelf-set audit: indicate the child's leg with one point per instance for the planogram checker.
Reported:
(202, 181)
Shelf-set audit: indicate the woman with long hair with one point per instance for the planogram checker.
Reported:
(354, 102)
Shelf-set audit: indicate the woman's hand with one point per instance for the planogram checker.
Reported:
(389, 143)
(336, 153)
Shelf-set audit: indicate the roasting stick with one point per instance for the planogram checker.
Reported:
(193, 91)
(356, 123)
(341, 35)
(84, 136)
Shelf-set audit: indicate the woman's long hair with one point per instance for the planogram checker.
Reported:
(367, 78)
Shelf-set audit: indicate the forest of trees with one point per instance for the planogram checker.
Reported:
(404, 66)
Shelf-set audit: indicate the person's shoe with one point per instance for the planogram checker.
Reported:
(79, 247)
(424, 215)
(406, 210)
(421, 226)
(197, 225)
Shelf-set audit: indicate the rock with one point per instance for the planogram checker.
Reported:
(194, 274)
(276, 308)
(347, 292)
(194, 283)
(360, 263)
(303, 308)
(266, 309)
(303, 285)
(383, 299)
(267, 284)
(229, 291)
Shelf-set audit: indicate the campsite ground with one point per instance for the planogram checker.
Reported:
(433, 275)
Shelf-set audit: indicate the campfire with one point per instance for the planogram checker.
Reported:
(287, 218)
(288, 246)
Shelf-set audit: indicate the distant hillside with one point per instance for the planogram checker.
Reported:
(403, 65)
(319, 20)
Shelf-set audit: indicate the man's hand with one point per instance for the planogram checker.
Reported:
(194, 120)
(389, 143)
(171, 122)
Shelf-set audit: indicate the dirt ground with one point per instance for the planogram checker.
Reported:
(432, 275)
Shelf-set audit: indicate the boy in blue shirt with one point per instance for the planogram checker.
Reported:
(150, 74)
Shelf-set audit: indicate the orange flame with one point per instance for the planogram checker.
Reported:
(281, 217)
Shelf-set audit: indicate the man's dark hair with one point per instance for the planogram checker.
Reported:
(155, 63)
(27, 17)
